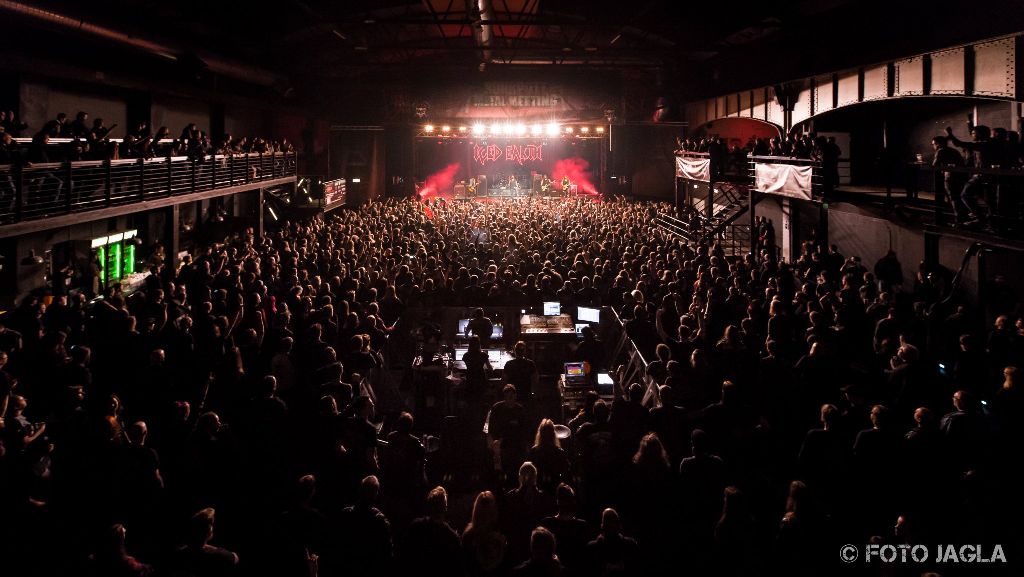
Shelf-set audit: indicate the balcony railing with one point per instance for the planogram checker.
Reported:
(44, 190)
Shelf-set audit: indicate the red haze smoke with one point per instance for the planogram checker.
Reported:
(440, 181)
(578, 171)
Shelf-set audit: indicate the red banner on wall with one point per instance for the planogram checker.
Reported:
(520, 154)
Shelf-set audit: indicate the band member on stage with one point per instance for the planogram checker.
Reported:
(545, 184)
(471, 187)
(566, 183)
(513, 184)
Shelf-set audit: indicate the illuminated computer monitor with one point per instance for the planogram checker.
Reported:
(552, 309)
(575, 370)
(588, 315)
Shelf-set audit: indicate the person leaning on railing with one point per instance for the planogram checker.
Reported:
(981, 151)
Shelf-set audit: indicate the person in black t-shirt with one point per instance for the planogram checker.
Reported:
(506, 430)
(198, 557)
(432, 547)
(521, 373)
(480, 326)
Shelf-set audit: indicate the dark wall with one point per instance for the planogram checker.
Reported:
(358, 155)
(643, 153)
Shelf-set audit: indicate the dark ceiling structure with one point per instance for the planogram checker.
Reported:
(297, 48)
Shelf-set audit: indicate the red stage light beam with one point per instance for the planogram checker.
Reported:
(578, 171)
(439, 181)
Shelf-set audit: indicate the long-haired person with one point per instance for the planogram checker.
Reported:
(547, 455)
(483, 544)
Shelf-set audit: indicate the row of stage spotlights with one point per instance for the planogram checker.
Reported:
(513, 130)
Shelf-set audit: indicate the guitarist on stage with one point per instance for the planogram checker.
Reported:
(566, 183)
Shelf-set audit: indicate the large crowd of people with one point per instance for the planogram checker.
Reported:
(94, 140)
(216, 422)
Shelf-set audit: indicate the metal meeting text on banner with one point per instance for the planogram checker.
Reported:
(784, 179)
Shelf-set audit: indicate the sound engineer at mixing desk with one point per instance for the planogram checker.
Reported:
(521, 373)
(480, 326)
(590, 350)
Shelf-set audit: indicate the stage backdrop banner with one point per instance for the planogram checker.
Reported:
(693, 168)
(783, 179)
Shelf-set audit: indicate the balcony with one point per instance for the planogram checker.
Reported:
(68, 192)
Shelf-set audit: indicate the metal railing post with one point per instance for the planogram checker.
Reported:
(213, 173)
(70, 186)
(231, 170)
(142, 179)
(248, 169)
(19, 192)
(170, 173)
(106, 182)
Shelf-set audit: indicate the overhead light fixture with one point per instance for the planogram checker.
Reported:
(568, 130)
(32, 259)
(536, 129)
(520, 129)
(552, 129)
(463, 129)
(478, 129)
(585, 129)
(428, 128)
(600, 129)
(446, 128)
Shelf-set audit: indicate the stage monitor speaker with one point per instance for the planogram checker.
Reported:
(535, 186)
(481, 187)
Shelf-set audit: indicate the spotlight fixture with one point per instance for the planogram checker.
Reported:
(520, 129)
(536, 129)
(446, 128)
(428, 128)
(585, 129)
(463, 129)
(551, 129)
(568, 130)
(32, 259)
(600, 129)
(478, 129)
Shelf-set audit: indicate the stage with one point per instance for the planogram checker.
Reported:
(462, 192)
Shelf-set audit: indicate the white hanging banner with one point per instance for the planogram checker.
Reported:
(784, 179)
(693, 168)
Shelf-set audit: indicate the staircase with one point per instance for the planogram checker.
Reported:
(730, 202)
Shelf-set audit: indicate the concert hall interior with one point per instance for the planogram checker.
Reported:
(510, 288)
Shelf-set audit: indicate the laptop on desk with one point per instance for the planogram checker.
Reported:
(575, 374)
